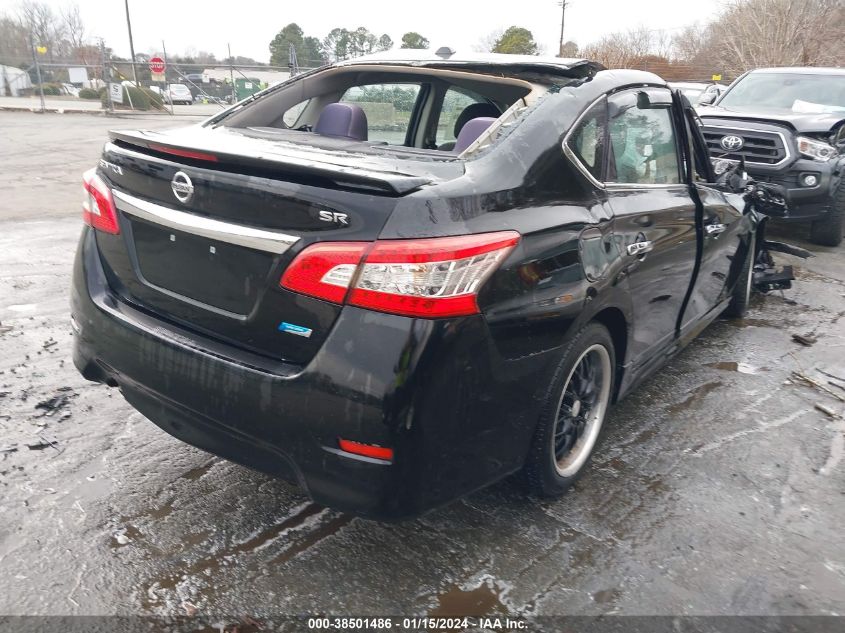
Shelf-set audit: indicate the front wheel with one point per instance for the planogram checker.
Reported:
(573, 416)
(828, 232)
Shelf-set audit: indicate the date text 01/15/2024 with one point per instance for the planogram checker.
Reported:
(417, 623)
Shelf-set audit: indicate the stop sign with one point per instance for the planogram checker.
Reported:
(156, 65)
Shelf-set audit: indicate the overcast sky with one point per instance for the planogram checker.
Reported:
(249, 25)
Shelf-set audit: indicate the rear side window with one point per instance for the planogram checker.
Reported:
(291, 115)
(587, 140)
(388, 108)
(643, 146)
(455, 101)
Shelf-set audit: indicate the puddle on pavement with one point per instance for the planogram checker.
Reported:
(312, 538)
(742, 368)
(125, 536)
(606, 596)
(211, 564)
(199, 471)
(456, 601)
(695, 396)
(162, 512)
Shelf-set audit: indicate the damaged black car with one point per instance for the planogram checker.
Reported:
(398, 279)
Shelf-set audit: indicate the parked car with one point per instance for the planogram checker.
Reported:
(396, 317)
(177, 93)
(788, 125)
(70, 90)
(697, 92)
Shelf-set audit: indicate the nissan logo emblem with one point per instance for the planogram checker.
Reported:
(182, 187)
(731, 143)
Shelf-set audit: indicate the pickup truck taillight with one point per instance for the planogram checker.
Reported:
(98, 208)
(435, 277)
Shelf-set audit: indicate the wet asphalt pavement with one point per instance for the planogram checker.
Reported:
(719, 487)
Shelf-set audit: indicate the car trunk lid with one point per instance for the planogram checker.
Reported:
(207, 230)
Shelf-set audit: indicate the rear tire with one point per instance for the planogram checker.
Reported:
(572, 419)
(741, 295)
(828, 231)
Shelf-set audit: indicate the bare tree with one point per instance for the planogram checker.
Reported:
(691, 43)
(74, 28)
(755, 33)
(487, 43)
(44, 26)
(625, 50)
(14, 43)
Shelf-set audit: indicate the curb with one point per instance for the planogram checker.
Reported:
(48, 110)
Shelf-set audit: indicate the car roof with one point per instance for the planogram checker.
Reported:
(802, 70)
(474, 60)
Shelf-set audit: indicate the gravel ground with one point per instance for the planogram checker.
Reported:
(718, 488)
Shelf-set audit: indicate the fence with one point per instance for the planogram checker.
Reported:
(84, 83)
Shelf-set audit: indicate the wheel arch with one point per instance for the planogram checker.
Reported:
(617, 325)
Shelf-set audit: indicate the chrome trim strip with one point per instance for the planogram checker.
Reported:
(749, 129)
(259, 239)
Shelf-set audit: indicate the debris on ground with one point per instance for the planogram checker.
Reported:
(815, 383)
(120, 537)
(829, 375)
(805, 339)
(44, 443)
(49, 343)
(57, 402)
(5, 328)
(8, 450)
(827, 411)
(189, 608)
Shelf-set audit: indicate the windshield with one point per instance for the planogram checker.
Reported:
(788, 92)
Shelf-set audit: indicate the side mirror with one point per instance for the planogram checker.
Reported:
(708, 99)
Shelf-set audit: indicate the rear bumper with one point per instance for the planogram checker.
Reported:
(457, 414)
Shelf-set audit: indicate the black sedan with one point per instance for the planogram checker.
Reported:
(395, 280)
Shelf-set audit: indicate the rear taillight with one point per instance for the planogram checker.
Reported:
(437, 277)
(98, 208)
(324, 270)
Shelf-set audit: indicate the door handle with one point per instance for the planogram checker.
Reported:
(715, 229)
(640, 248)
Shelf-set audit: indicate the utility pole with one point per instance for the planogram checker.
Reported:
(232, 74)
(166, 85)
(37, 70)
(106, 74)
(293, 64)
(563, 4)
(132, 45)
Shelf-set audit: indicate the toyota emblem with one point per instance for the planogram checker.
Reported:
(732, 143)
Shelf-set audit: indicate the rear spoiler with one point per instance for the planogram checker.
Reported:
(270, 161)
